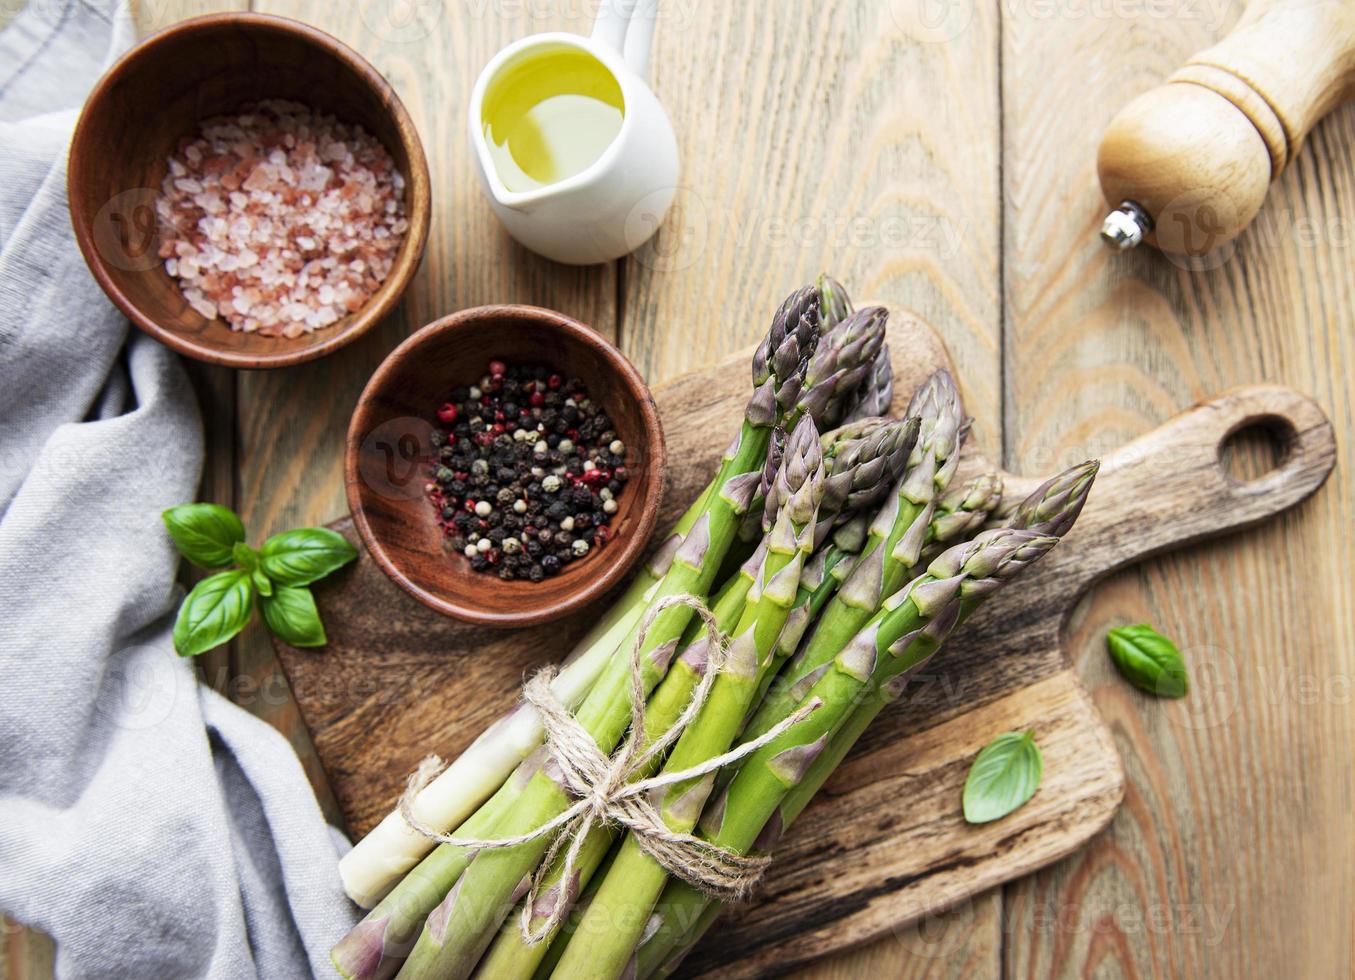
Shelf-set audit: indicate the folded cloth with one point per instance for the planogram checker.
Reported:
(150, 827)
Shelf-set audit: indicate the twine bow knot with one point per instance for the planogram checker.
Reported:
(615, 790)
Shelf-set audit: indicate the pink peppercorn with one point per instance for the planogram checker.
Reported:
(447, 413)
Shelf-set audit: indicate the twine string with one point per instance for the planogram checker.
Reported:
(610, 790)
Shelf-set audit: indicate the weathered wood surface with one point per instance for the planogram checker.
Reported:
(887, 844)
(978, 124)
(1231, 855)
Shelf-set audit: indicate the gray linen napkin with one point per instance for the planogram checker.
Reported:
(148, 825)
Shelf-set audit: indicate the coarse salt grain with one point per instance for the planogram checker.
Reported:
(280, 220)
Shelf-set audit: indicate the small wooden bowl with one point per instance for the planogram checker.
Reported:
(156, 95)
(388, 459)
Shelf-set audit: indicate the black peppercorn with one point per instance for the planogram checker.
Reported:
(487, 456)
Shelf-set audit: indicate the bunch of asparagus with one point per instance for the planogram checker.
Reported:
(836, 551)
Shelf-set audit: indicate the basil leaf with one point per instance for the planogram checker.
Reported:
(216, 609)
(205, 534)
(1148, 660)
(1005, 774)
(291, 614)
(300, 557)
(261, 582)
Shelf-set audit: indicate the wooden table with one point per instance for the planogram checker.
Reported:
(940, 156)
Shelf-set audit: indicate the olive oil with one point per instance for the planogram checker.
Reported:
(550, 116)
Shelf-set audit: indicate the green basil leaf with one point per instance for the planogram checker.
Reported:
(1005, 774)
(291, 614)
(216, 610)
(300, 557)
(1148, 660)
(261, 582)
(206, 534)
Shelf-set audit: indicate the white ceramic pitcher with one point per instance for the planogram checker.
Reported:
(613, 206)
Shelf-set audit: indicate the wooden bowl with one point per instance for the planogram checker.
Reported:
(156, 95)
(388, 460)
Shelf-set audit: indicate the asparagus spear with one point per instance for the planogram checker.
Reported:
(457, 932)
(876, 395)
(961, 513)
(685, 913)
(891, 551)
(864, 460)
(898, 640)
(376, 946)
(843, 362)
(835, 305)
(511, 955)
(1048, 513)
(636, 878)
(1056, 504)
(843, 358)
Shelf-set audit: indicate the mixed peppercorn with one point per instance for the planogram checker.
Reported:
(527, 472)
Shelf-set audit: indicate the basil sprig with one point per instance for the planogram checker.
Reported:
(1148, 660)
(218, 608)
(1004, 775)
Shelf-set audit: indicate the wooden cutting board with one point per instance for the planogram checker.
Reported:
(885, 843)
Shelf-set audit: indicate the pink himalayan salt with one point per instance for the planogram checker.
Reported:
(280, 220)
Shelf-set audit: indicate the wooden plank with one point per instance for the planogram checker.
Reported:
(852, 136)
(25, 954)
(1231, 856)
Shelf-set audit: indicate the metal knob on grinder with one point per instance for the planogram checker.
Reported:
(1186, 165)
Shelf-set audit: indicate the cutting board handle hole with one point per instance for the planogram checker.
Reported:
(1256, 447)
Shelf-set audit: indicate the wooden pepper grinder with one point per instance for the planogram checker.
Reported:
(1186, 165)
